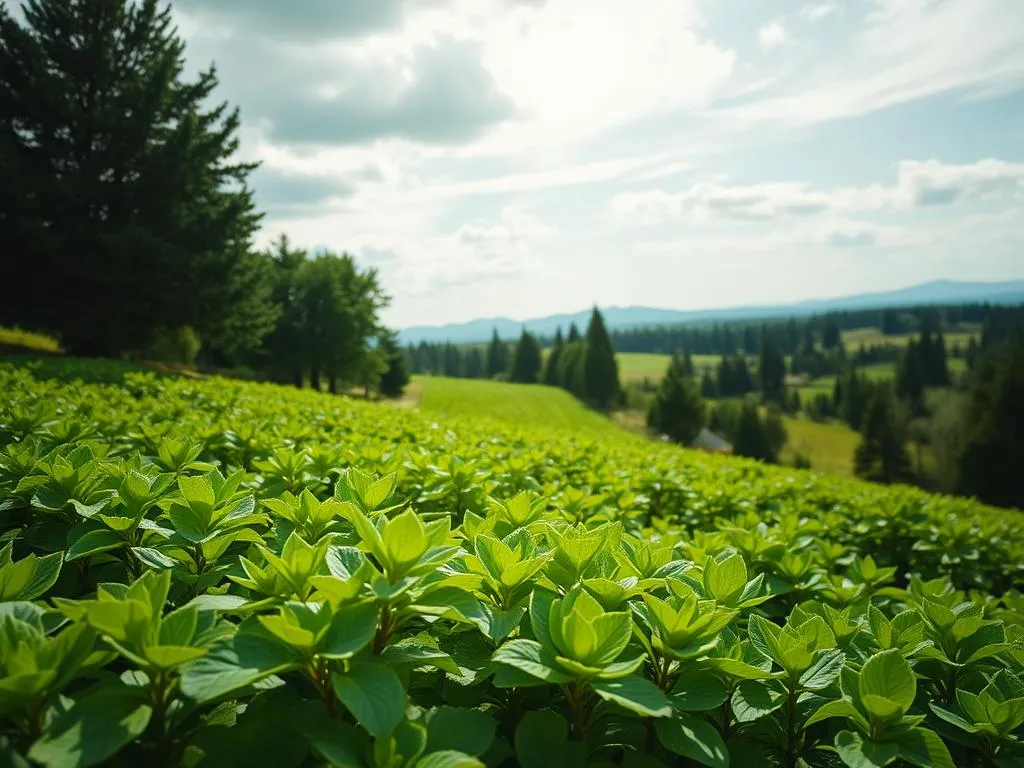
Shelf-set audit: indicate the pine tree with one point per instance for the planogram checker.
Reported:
(857, 391)
(708, 389)
(574, 334)
(939, 367)
(396, 376)
(910, 378)
(678, 409)
(526, 361)
(572, 369)
(601, 371)
(750, 439)
(497, 357)
(551, 365)
(772, 370)
(831, 336)
(128, 191)
(472, 363)
(688, 363)
(882, 454)
(989, 464)
(452, 360)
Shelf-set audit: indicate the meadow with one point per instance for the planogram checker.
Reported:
(527, 405)
(213, 572)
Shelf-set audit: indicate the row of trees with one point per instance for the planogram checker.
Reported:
(680, 412)
(583, 364)
(793, 334)
(132, 218)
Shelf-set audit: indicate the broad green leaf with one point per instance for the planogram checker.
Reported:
(234, 663)
(635, 693)
(753, 699)
(857, 752)
(725, 580)
(96, 727)
(45, 572)
(824, 671)
(923, 748)
(352, 628)
(887, 675)
(374, 695)
(542, 740)
(462, 730)
(532, 658)
(698, 691)
(692, 737)
(448, 758)
(93, 543)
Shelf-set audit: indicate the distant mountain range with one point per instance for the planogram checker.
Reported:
(936, 292)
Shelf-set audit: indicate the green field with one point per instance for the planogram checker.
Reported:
(527, 405)
(829, 447)
(637, 366)
(873, 336)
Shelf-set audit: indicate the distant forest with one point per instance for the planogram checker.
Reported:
(794, 336)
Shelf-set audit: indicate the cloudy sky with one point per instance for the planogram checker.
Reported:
(526, 157)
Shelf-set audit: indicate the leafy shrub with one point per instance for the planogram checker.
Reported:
(223, 573)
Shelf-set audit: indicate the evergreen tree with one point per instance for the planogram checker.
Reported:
(830, 336)
(678, 408)
(891, 325)
(128, 190)
(910, 378)
(857, 391)
(724, 377)
(551, 365)
(396, 376)
(572, 369)
(989, 464)
(750, 343)
(497, 357)
(882, 454)
(574, 334)
(707, 385)
(938, 367)
(601, 371)
(452, 360)
(772, 369)
(526, 361)
(750, 439)
(688, 363)
(472, 363)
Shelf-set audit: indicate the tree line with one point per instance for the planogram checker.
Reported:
(130, 220)
(582, 364)
(744, 336)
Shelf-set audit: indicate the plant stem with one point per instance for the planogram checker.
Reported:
(791, 730)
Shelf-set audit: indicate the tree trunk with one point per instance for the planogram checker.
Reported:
(297, 377)
(314, 377)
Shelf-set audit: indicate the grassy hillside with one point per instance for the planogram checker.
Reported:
(519, 404)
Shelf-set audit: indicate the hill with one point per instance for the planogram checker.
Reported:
(937, 292)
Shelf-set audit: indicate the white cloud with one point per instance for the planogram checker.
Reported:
(772, 35)
(905, 50)
(919, 183)
(817, 11)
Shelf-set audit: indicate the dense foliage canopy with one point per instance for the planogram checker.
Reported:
(207, 572)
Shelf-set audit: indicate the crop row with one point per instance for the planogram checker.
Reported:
(218, 573)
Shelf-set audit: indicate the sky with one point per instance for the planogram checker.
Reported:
(521, 158)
